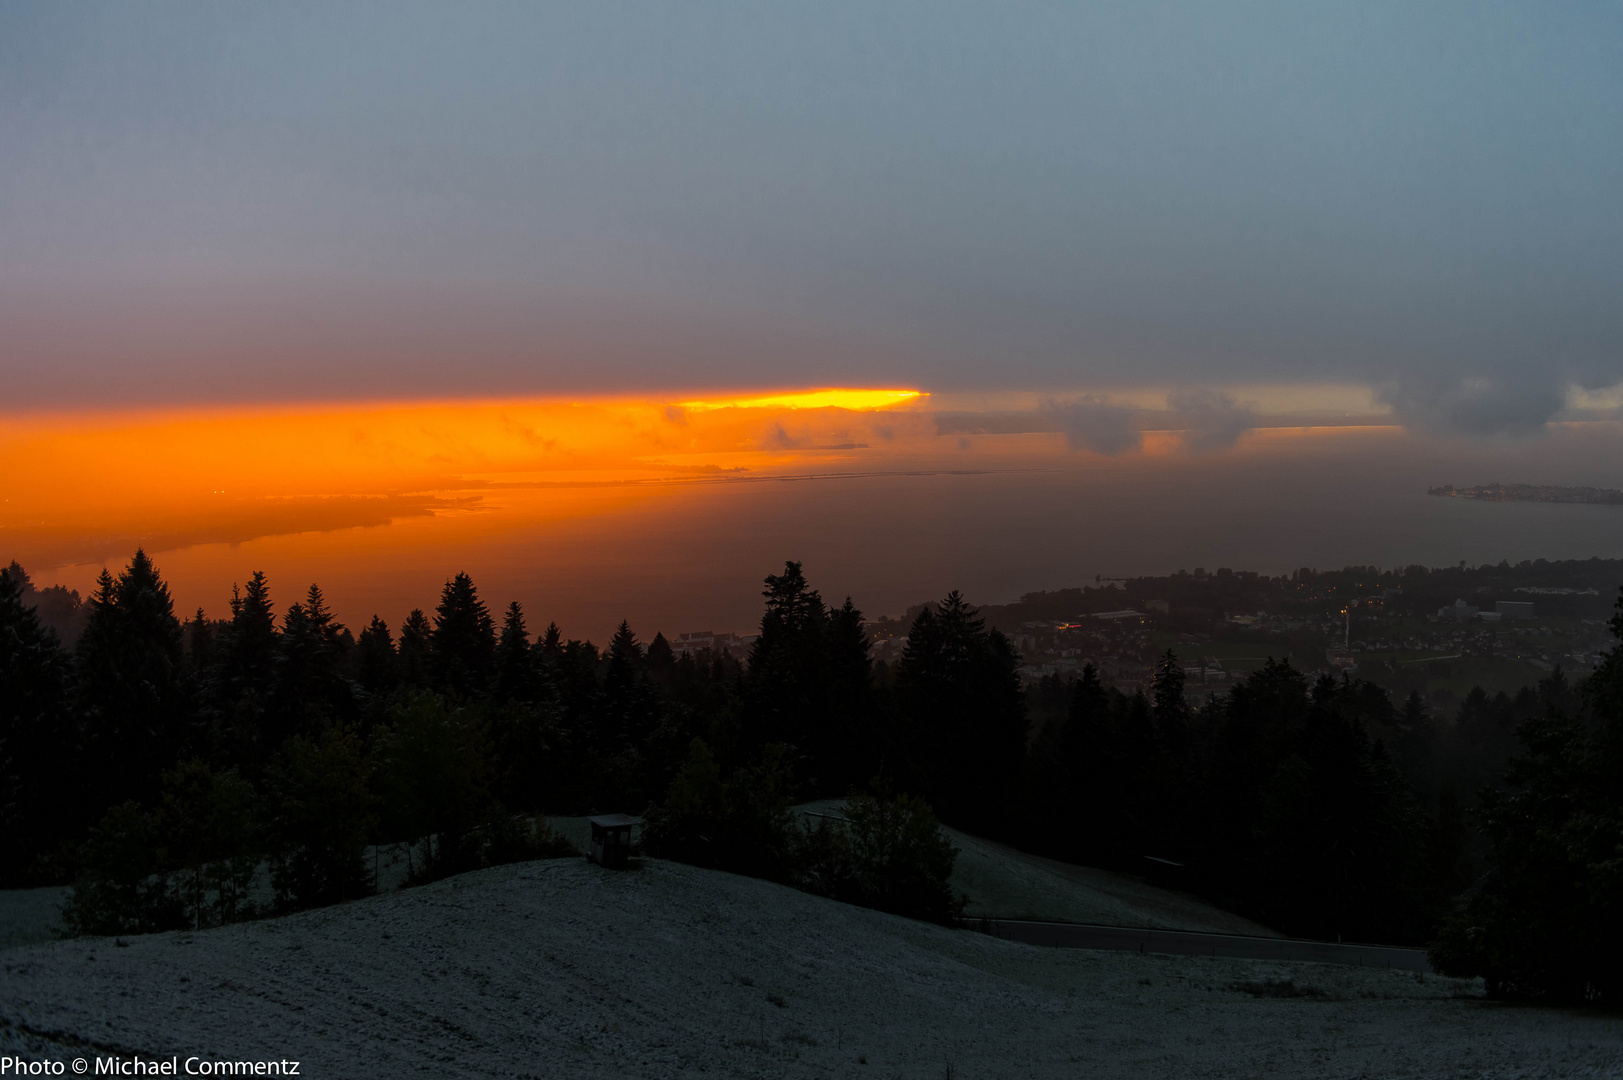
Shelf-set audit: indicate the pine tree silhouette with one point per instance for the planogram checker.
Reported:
(376, 665)
(462, 649)
(310, 688)
(963, 715)
(131, 682)
(416, 649)
(37, 751)
(515, 667)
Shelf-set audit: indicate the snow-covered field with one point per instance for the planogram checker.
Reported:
(30, 915)
(562, 969)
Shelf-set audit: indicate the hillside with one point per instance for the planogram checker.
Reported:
(1003, 883)
(561, 969)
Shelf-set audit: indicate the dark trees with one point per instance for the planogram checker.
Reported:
(1305, 822)
(1548, 920)
(312, 689)
(515, 667)
(325, 812)
(961, 716)
(416, 649)
(37, 742)
(1279, 798)
(809, 686)
(239, 686)
(887, 853)
(377, 668)
(462, 649)
(132, 696)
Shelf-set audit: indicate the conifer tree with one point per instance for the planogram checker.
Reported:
(843, 742)
(515, 669)
(661, 659)
(240, 685)
(787, 661)
(809, 685)
(130, 683)
(963, 710)
(462, 649)
(376, 665)
(37, 751)
(200, 643)
(1171, 707)
(416, 649)
(627, 716)
(310, 688)
(251, 652)
(1087, 769)
(1545, 922)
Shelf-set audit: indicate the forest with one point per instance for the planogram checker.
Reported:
(162, 762)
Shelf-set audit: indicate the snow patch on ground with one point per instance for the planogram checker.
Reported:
(31, 915)
(563, 969)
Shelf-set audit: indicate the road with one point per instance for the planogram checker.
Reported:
(1185, 943)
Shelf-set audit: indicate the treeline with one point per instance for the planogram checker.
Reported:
(162, 764)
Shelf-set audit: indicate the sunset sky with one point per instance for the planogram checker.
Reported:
(371, 293)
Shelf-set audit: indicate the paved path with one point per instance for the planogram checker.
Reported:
(1186, 943)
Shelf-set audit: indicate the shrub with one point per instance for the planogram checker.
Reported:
(889, 853)
(208, 824)
(430, 767)
(325, 815)
(121, 889)
(741, 824)
(521, 839)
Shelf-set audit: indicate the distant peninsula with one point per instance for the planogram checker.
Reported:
(1531, 493)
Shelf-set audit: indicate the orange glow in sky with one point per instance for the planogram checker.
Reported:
(88, 486)
(814, 399)
(593, 509)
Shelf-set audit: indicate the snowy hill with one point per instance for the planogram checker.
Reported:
(1001, 882)
(562, 969)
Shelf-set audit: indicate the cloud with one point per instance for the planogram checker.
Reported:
(1474, 406)
(1212, 420)
(1092, 423)
(779, 438)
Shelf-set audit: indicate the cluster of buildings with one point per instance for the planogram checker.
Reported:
(735, 645)
(1116, 642)
(1460, 611)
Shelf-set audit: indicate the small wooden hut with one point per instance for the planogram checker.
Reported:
(611, 839)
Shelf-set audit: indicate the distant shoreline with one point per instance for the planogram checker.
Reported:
(1548, 493)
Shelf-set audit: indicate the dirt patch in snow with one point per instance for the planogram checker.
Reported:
(563, 969)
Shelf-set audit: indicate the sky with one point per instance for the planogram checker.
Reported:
(293, 201)
(370, 293)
